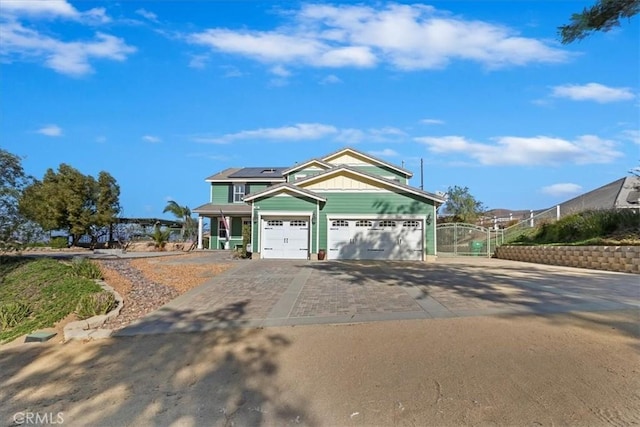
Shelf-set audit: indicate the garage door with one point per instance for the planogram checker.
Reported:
(393, 239)
(285, 238)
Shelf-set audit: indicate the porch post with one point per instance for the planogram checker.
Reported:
(200, 230)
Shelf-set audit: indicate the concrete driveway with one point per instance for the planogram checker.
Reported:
(282, 292)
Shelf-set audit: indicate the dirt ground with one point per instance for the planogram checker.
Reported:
(569, 369)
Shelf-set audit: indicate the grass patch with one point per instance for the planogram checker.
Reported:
(45, 289)
(602, 227)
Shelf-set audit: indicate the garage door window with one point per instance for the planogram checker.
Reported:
(298, 223)
(413, 224)
(274, 223)
(387, 224)
(363, 223)
(340, 223)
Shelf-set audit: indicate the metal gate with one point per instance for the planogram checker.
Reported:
(459, 239)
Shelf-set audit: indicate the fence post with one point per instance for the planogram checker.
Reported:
(531, 219)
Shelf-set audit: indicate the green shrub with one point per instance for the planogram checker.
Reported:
(83, 267)
(59, 242)
(160, 237)
(95, 304)
(13, 313)
(588, 225)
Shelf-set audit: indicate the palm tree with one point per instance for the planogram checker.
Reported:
(183, 215)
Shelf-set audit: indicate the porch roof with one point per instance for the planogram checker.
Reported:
(210, 209)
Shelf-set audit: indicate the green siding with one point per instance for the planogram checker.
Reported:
(236, 227)
(255, 187)
(220, 193)
(380, 204)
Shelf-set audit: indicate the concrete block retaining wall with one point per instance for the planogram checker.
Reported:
(625, 259)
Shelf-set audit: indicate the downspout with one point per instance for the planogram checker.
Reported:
(317, 226)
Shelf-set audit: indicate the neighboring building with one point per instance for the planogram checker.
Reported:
(348, 204)
(623, 193)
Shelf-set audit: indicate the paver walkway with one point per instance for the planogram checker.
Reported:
(283, 292)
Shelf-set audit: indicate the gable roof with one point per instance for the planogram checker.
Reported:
(621, 193)
(306, 164)
(393, 184)
(285, 186)
(380, 162)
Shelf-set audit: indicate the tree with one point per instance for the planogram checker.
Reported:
(462, 205)
(13, 181)
(183, 215)
(68, 200)
(602, 16)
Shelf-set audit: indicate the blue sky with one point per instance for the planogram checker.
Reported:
(164, 94)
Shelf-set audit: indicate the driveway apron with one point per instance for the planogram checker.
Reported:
(264, 293)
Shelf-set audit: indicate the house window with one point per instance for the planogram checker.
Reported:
(222, 232)
(238, 192)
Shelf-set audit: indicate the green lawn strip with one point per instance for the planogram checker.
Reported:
(49, 287)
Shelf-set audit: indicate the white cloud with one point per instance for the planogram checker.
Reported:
(231, 71)
(280, 71)
(562, 189)
(632, 135)
(198, 61)
(387, 152)
(432, 121)
(151, 138)
(70, 57)
(330, 79)
(538, 150)
(408, 37)
(147, 14)
(592, 92)
(52, 9)
(50, 130)
(297, 132)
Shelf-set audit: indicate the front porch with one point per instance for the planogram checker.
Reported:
(226, 224)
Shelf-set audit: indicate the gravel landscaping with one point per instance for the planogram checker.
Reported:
(147, 284)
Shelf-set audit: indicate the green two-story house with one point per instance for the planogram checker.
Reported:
(345, 205)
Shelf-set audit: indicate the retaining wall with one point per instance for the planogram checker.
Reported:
(625, 259)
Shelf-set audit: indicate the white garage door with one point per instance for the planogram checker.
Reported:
(394, 239)
(285, 238)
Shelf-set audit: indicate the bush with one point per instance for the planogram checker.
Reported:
(587, 225)
(60, 242)
(83, 267)
(13, 313)
(95, 304)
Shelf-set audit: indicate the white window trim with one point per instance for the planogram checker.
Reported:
(235, 193)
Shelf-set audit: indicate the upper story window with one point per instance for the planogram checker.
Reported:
(238, 192)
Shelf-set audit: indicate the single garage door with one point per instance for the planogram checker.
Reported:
(285, 238)
(392, 239)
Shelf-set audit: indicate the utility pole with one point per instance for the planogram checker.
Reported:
(421, 174)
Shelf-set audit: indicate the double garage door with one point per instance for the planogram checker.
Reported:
(391, 239)
(395, 239)
(285, 238)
